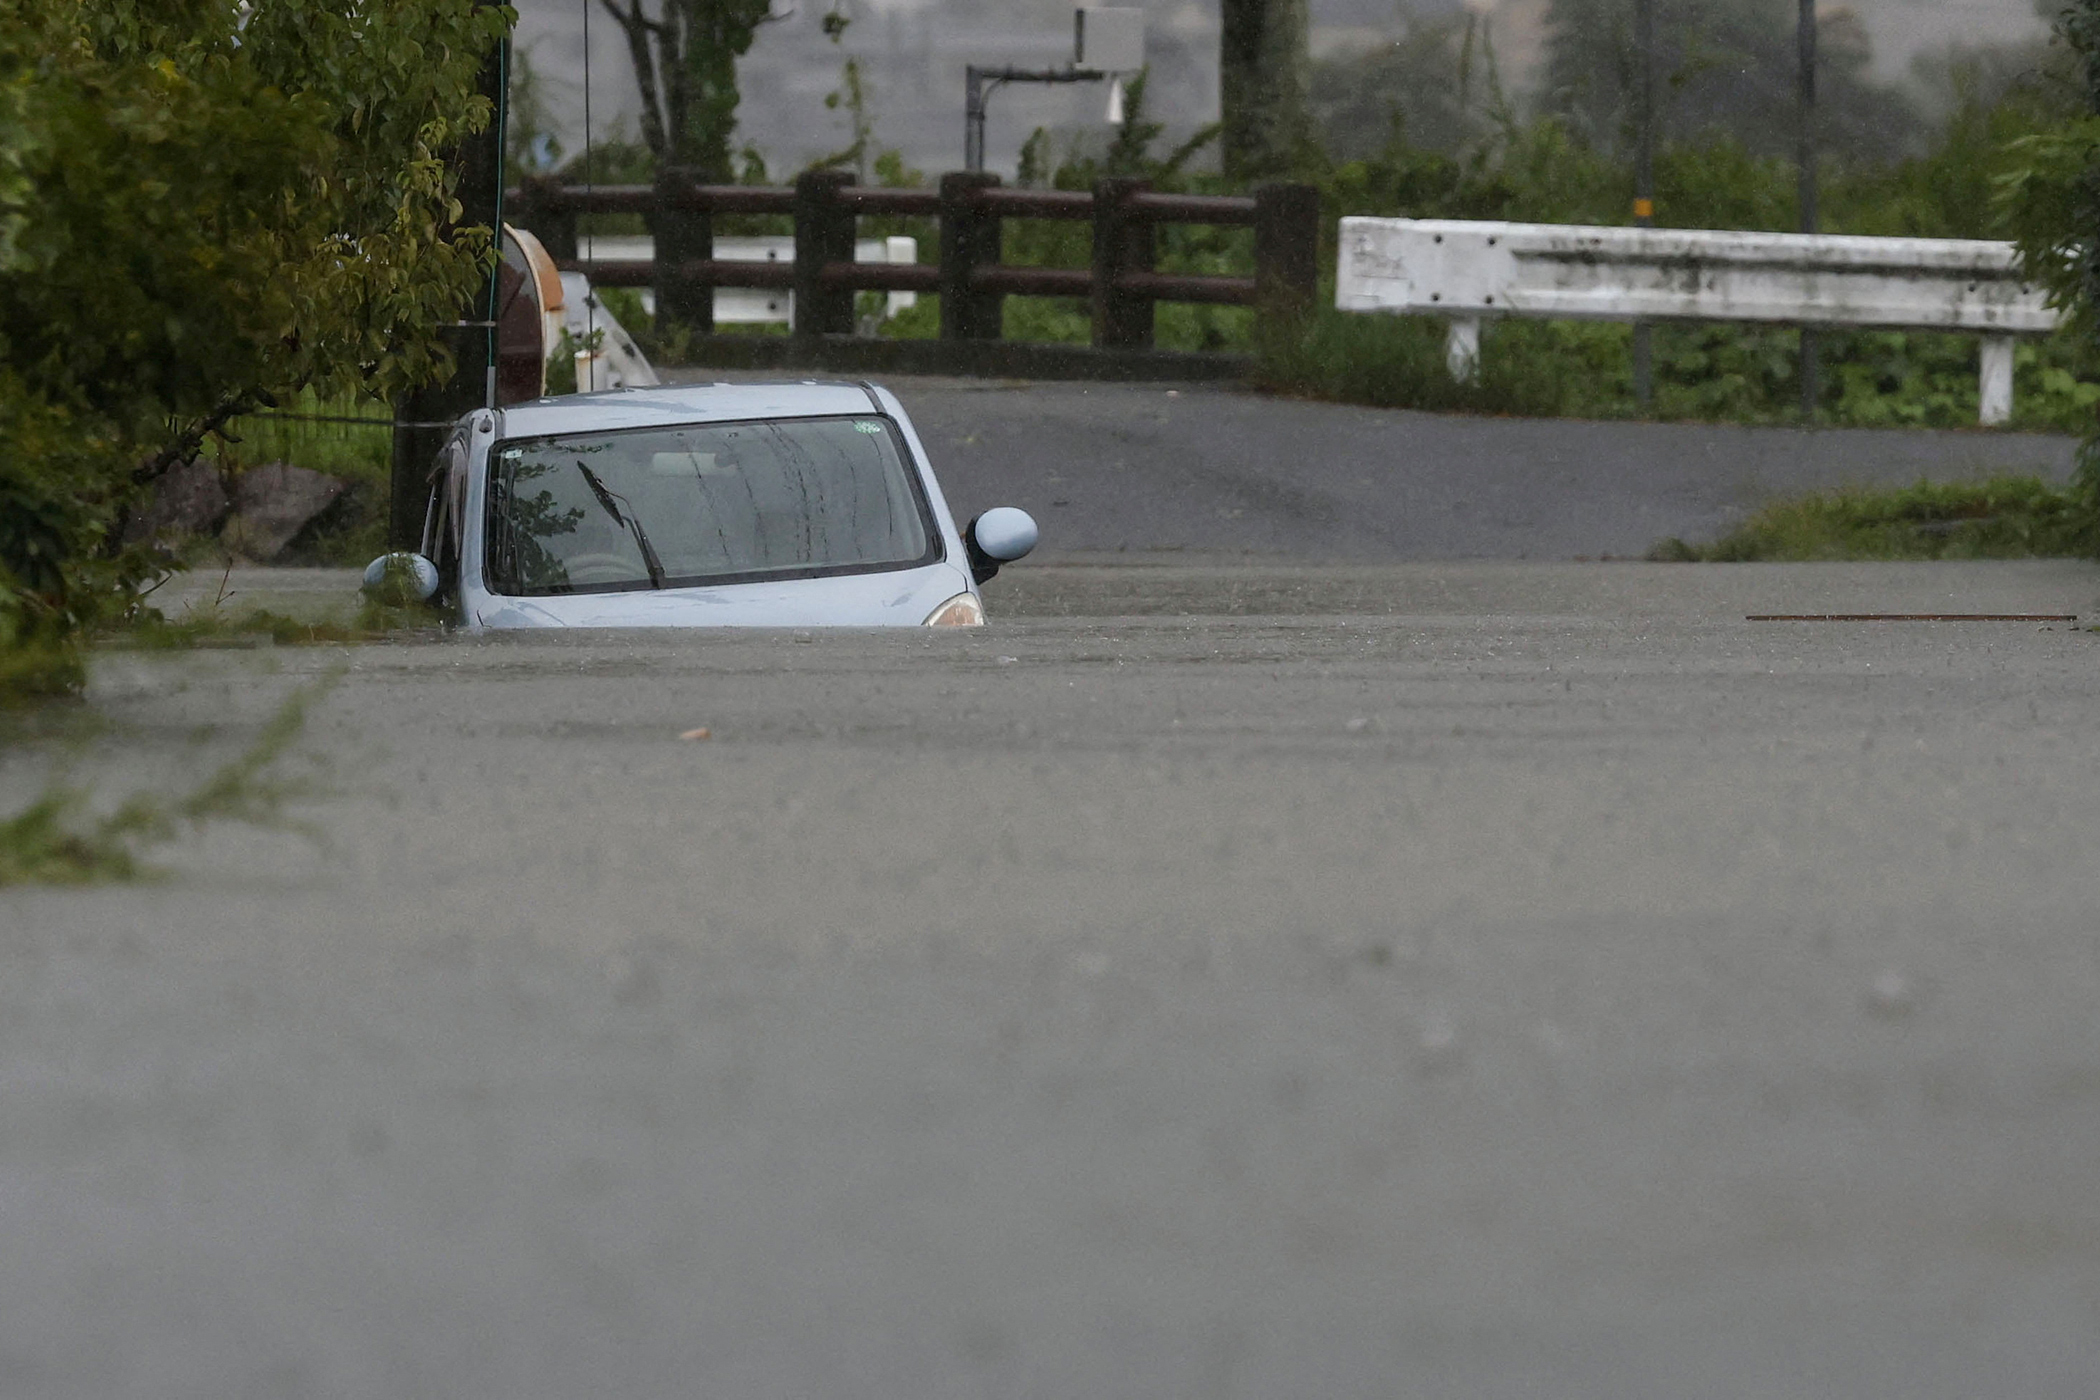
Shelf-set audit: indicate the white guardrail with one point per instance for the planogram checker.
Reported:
(1471, 271)
(752, 306)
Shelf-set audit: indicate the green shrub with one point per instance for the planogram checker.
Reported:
(197, 220)
(2006, 517)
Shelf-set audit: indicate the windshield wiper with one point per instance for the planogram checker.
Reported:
(611, 502)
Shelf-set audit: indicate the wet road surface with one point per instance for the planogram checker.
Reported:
(1149, 467)
(1482, 980)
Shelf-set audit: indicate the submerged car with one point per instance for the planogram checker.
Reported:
(719, 505)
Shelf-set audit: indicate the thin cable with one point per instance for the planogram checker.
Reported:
(502, 154)
(590, 242)
(447, 423)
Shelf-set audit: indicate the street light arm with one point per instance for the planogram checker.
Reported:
(981, 83)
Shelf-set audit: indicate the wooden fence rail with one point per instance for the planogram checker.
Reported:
(1123, 283)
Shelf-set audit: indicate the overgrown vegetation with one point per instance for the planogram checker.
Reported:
(1975, 181)
(2007, 517)
(1425, 127)
(56, 840)
(1724, 67)
(683, 54)
(205, 209)
(2045, 186)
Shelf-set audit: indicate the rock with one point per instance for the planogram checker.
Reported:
(186, 501)
(272, 503)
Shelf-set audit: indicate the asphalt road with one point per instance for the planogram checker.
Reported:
(1148, 468)
(1435, 980)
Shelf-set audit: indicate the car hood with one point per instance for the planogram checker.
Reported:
(896, 598)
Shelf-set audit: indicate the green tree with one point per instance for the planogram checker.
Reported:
(684, 55)
(1264, 76)
(1434, 87)
(206, 205)
(2051, 199)
(1723, 68)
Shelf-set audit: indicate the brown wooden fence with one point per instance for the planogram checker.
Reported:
(1123, 283)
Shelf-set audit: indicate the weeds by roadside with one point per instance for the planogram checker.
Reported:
(1703, 373)
(40, 670)
(51, 842)
(2005, 517)
(373, 622)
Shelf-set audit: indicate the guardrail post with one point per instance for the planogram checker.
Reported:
(538, 210)
(969, 240)
(1286, 256)
(683, 235)
(1462, 348)
(823, 234)
(1994, 380)
(1123, 242)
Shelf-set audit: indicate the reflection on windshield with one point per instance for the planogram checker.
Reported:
(671, 507)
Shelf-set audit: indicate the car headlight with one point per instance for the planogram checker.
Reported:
(963, 610)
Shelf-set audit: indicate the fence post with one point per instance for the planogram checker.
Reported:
(823, 234)
(539, 212)
(1286, 258)
(1994, 380)
(969, 240)
(684, 235)
(1123, 243)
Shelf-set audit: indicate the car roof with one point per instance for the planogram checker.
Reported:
(667, 404)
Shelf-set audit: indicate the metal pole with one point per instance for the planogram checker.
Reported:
(973, 118)
(1644, 185)
(1805, 37)
(472, 338)
(977, 91)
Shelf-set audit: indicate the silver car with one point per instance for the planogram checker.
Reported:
(718, 505)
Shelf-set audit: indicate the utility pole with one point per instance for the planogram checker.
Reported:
(1644, 184)
(422, 416)
(1805, 39)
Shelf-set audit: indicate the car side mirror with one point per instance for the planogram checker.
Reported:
(400, 579)
(999, 536)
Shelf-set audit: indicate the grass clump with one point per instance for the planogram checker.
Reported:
(374, 621)
(37, 670)
(382, 614)
(2005, 517)
(49, 842)
(44, 844)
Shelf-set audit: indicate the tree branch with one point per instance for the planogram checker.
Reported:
(677, 82)
(638, 27)
(187, 444)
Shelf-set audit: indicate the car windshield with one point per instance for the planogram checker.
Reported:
(703, 503)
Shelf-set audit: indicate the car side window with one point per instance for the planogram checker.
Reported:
(442, 522)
